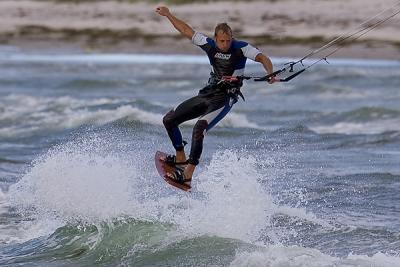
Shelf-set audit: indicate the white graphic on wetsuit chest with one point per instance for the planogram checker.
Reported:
(222, 56)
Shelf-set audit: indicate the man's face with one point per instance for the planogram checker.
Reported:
(223, 41)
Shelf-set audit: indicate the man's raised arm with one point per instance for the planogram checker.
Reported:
(180, 25)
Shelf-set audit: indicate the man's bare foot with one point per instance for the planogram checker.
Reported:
(180, 156)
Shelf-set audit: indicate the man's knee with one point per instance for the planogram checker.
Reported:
(168, 119)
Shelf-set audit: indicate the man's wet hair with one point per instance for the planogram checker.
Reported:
(224, 27)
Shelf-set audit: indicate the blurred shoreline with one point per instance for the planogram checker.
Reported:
(279, 28)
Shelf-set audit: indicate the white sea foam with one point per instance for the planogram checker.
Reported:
(295, 256)
(87, 182)
(84, 181)
(234, 205)
(302, 214)
(52, 113)
(28, 229)
(35, 114)
(72, 182)
(15, 231)
(237, 120)
(372, 127)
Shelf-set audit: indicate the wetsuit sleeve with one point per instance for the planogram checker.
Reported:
(202, 41)
(250, 51)
(199, 39)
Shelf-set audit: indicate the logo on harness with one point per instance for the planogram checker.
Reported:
(234, 92)
(222, 56)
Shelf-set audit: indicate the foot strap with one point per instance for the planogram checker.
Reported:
(179, 176)
(171, 161)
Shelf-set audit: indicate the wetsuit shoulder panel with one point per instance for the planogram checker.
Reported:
(247, 49)
(203, 41)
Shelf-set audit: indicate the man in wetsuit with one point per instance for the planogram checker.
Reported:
(227, 58)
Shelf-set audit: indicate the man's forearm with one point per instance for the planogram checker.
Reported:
(181, 26)
(266, 62)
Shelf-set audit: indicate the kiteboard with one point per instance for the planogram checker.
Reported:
(163, 169)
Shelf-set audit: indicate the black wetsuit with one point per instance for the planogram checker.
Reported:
(213, 101)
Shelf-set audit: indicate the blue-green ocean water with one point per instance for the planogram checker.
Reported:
(304, 173)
